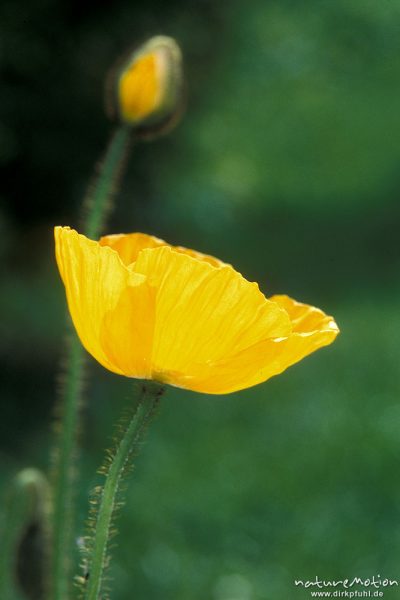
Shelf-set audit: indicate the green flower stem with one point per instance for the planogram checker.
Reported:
(117, 467)
(63, 470)
(96, 206)
(98, 201)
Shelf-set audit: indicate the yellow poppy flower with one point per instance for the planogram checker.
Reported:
(149, 310)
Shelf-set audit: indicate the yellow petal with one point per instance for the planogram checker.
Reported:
(305, 319)
(312, 329)
(215, 262)
(203, 313)
(94, 279)
(128, 246)
(127, 331)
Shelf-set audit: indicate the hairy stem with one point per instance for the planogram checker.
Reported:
(64, 470)
(98, 201)
(110, 498)
(96, 206)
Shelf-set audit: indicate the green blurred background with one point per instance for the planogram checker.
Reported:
(286, 165)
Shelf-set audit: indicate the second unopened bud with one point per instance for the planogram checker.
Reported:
(147, 89)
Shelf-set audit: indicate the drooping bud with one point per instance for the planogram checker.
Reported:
(25, 536)
(145, 91)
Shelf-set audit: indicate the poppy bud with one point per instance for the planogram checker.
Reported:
(145, 90)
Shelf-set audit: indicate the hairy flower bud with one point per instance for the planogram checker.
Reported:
(145, 91)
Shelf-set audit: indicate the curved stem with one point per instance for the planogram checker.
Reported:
(96, 205)
(98, 199)
(26, 511)
(109, 500)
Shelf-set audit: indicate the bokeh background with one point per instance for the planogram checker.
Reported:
(285, 165)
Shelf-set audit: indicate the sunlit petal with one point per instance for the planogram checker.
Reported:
(128, 246)
(202, 312)
(312, 329)
(94, 279)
